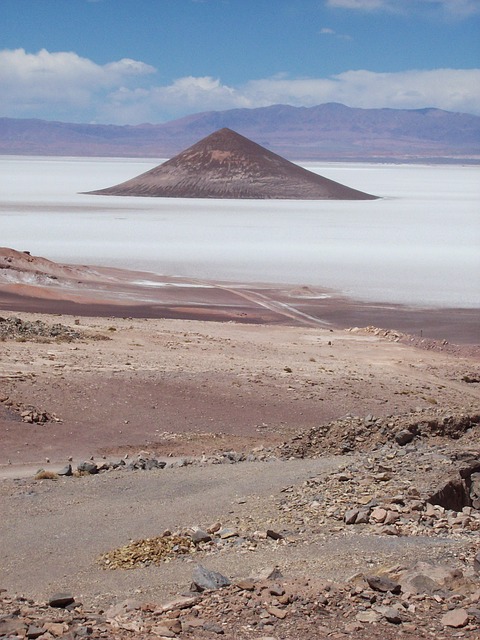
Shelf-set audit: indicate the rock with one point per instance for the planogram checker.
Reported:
(281, 614)
(213, 627)
(61, 600)
(363, 516)
(246, 585)
(454, 494)
(270, 574)
(474, 613)
(378, 514)
(391, 615)
(121, 608)
(350, 516)
(285, 599)
(274, 535)
(403, 437)
(174, 625)
(456, 618)
(352, 627)
(163, 631)
(87, 467)
(200, 536)
(56, 628)
(368, 616)
(182, 602)
(276, 590)
(391, 517)
(425, 578)
(204, 579)
(383, 584)
(66, 471)
(34, 632)
(476, 563)
(12, 626)
(153, 463)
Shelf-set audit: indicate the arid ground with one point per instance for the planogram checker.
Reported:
(295, 434)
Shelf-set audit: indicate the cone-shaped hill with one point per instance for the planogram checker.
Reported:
(228, 165)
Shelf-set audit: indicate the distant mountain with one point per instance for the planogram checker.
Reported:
(228, 165)
(326, 132)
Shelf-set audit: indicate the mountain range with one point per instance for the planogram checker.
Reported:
(329, 131)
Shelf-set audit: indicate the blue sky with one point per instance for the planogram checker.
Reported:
(133, 61)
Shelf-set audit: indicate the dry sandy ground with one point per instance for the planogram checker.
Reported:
(134, 384)
(175, 387)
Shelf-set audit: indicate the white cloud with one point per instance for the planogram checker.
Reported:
(185, 95)
(326, 31)
(450, 89)
(59, 79)
(363, 5)
(64, 86)
(450, 8)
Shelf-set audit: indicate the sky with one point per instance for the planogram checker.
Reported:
(137, 61)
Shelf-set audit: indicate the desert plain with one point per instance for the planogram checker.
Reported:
(320, 456)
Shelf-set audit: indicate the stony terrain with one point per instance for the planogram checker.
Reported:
(183, 479)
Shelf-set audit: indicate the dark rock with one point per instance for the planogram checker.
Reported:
(274, 535)
(61, 600)
(363, 516)
(34, 632)
(383, 584)
(204, 579)
(403, 437)
(454, 495)
(276, 590)
(351, 515)
(153, 463)
(87, 467)
(66, 471)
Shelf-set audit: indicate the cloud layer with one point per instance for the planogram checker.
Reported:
(65, 86)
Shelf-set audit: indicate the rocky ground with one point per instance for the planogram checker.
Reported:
(183, 479)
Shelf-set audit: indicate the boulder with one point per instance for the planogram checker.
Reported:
(403, 437)
(61, 600)
(203, 579)
(66, 471)
(456, 618)
(383, 584)
(87, 467)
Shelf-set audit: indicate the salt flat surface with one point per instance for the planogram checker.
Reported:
(419, 244)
